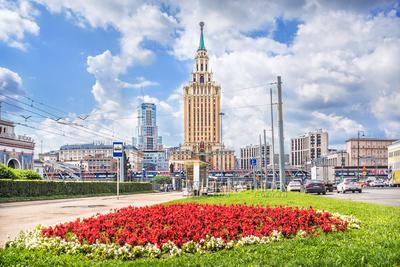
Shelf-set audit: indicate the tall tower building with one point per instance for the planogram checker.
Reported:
(202, 125)
(202, 104)
(147, 130)
(148, 141)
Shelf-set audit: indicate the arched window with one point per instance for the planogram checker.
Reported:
(201, 67)
(202, 79)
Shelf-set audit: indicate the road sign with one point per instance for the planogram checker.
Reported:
(118, 148)
(253, 162)
(364, 173)
(364, 169)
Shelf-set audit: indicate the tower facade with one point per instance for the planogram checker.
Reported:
(202, 125)
(147, 130)
(202, 98)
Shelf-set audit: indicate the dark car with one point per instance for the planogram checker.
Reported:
(315, 186)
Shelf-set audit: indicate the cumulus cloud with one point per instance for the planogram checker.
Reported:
(10, 82)
(340, 72)
(339, 64)
(16, 20)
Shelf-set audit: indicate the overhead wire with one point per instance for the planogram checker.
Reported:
(70, 124)
(57, 117)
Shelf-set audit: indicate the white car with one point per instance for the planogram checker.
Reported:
(349, 184)
(295, 186)
(377, 183)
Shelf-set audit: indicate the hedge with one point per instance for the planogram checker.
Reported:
(37, 188)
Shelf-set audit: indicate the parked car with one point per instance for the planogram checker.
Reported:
(377, 183)
(315, 186)
(349, 184)
(295, 186)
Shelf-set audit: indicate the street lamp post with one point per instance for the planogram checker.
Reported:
(342, 163)
(358, 153)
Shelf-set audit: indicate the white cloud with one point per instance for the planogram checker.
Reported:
(340, 63)
(10, 82)
(340, 69)
(17, 20)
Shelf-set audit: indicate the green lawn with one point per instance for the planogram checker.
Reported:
(377, 243)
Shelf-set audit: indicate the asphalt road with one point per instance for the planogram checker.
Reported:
(17, 216)
(387, 196)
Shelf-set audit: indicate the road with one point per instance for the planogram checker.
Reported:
(18, 216)
(386, 196)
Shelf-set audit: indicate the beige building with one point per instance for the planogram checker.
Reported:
(253, 152)
(394, 162)
(202, 109)
(99, 164)
(16, 151)
(337, 158)
(77, 153)
(308, 147)
(372, 151)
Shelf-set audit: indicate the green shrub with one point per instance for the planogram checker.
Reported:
(37, 188)
(6, 172)
(27, 175)
(10, 173)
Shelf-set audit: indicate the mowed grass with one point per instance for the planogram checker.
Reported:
(377, 243)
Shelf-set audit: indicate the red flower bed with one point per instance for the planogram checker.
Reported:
(181, 223)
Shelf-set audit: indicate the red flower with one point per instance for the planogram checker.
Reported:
(181, 223)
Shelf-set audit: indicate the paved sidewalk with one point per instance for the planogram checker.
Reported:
(17, 216)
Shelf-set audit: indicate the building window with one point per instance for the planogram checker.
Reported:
(202, 79)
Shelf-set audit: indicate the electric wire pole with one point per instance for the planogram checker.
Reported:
(281, 140)
(265, 159)
(273, 143)
(261, 159)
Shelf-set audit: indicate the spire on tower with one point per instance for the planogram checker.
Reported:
(201, 46)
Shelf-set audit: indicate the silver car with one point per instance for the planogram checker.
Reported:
(295, 186)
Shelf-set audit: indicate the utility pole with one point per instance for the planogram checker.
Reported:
(220, 161)
(358, 155)
(265, 159)
(281, 141)
(261, 160)
(343, 163)
(273, 143)
(358, 152)
(221, 114)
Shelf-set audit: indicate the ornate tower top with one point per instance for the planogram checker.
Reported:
(201, 46)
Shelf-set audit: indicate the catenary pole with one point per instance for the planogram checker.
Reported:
(273, 142)
(265, 159)
(261, 159)
(281, 140)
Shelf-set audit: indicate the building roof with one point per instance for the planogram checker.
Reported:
(370, 139)
(201, 45)
(7, 123)
(92, 146)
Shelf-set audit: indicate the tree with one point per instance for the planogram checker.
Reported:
(162, 180)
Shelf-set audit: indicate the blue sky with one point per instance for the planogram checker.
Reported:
(93, 58)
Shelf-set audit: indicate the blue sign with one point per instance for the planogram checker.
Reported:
(118, 148)
(253, 162)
